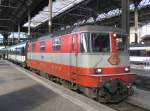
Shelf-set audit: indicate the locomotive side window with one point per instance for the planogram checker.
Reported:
(56, 44)
(42, 46)
(100, 42)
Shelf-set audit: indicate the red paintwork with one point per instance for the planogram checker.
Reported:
(66, 45)
(84, 75)
(81, 76)
(113, 59)
(113, 43)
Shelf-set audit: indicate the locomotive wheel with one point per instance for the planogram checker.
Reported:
(107, 98)
(103, 97)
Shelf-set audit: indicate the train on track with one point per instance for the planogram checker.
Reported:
(140, 54)
(91, 59)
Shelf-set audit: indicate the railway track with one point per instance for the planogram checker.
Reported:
(124, 106)
(143, 83)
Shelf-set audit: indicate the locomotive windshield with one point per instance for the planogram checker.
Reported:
(95, 42)
(100, 42)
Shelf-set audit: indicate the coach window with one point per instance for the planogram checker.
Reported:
(142, 53)
(33, 47)
(132, 52)
(22, 51)
(42, 46)
(148, 53)
(56, 44)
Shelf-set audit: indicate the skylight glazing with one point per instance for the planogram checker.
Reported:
(60, 6)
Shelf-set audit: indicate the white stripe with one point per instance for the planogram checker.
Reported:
(83, 60)
(139, 59)
(104, 75)
(17, 58)
(83, 105)
(139, 48)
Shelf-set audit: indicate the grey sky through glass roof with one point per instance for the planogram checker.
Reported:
(60, 6)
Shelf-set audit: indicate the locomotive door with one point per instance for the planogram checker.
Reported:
(73, 58)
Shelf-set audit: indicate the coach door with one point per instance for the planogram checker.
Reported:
(73, 58)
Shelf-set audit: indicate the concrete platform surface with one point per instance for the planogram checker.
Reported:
(141, 72)
(140, 98)
(22, 90)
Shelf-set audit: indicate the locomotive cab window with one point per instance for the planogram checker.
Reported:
(95, 42)
(42, 46)
(56, 44)
(100, 42)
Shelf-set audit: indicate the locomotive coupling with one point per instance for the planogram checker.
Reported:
(113, 86)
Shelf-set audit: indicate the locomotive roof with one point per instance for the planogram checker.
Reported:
(97, 28)
(86, 28)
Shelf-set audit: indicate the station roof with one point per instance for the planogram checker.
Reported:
(65, 13)
(77, 12)
(13, 12)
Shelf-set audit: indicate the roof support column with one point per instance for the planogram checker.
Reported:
(125, 15)
(18, 32)
(5, 39)
(29, 23)
(50, 15)
(137, 39)
(125, 19)
(13, 40)
(12, 32)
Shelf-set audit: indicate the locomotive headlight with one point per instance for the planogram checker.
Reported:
(126, 69)
(98, 71)
(114, 34)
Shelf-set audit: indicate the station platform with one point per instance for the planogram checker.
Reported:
(141, 72)
(140, 98)
(22, 90)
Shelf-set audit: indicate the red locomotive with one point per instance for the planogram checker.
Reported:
(91, 59)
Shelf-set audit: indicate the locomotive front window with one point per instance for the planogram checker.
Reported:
(94, 42)
(100, 42)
